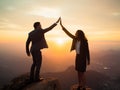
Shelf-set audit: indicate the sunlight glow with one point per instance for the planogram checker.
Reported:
(60, 41)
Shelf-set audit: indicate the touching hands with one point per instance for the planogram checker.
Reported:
(61, 24)
(58, 20)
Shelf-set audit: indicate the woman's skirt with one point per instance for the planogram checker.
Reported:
(80, 63)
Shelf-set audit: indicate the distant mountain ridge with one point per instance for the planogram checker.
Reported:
(110, 77)
(67, 78)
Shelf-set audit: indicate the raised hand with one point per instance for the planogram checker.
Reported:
(65, 30)
(58, 20)
(61, 22)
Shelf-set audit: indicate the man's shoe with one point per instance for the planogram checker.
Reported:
(84, 88)
(39, 79)
(79, 88)
(29, 81)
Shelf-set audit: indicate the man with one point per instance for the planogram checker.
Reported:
(38, 42)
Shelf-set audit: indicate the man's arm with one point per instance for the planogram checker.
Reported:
(66, 31)
(51, 27)
(27, 46)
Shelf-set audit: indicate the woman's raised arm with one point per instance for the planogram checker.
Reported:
(66, 31)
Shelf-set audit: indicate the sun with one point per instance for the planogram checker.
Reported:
(60, 41)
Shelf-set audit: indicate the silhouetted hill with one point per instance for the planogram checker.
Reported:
(17, 83)
(5, 76)
(22, 83)
(104, 68)
(95, 80)
(67, 78)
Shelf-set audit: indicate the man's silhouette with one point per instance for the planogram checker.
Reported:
(38, 42)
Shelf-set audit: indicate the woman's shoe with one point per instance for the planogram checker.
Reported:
(84, 88)
(79, 87)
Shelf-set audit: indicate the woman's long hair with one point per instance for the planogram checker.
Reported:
(80, 35)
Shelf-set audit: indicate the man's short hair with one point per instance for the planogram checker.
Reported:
(36, 24)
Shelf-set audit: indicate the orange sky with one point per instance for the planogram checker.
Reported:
(100, 20)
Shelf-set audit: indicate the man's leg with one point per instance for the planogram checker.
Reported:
(38, 65)
(32, 71)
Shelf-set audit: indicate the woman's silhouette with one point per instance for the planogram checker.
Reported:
(79, 44)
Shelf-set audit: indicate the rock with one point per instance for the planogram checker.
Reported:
(22, 83)
(74, 87)
(46, 84)
(17, 83)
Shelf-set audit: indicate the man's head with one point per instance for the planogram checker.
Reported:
(37, 25)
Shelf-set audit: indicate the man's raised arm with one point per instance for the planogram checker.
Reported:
(51, 27)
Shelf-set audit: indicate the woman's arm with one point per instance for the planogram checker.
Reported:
(88, 53)
(66, 31)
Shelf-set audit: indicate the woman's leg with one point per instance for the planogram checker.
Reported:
(80, 78)
(83, 80)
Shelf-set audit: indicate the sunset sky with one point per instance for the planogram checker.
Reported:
(99, 19)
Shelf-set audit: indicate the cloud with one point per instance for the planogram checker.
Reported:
(10, 8)
(116, 13)
(45, 12)
(5, 24)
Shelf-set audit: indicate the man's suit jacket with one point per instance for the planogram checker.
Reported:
(38, 39)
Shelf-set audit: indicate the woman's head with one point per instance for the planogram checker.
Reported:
(80, 35)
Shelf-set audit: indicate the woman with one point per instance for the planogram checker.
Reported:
(79, 44)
